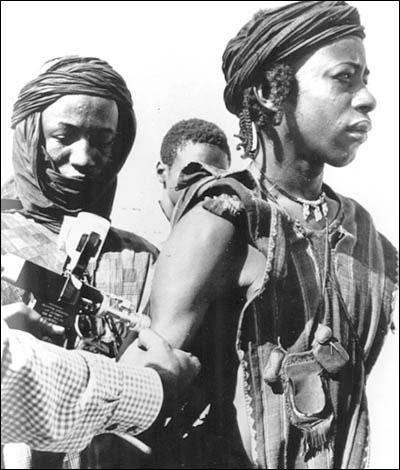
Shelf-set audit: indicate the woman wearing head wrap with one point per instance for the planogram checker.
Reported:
(286, 292)
(74, 128)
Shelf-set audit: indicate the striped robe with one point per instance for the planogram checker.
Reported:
(238, 332)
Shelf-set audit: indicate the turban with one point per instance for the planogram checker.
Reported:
(45, 194)
(276, 35)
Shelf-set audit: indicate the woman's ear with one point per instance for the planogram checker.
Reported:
(268, 104)
(161, 170)
(263, 101)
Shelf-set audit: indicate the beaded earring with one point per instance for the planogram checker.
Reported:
(247, 132)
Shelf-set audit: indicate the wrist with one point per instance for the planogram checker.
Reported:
(169, 386)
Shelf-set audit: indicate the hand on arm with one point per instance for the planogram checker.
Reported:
(176, 368)
(202, 258)
(73, 395)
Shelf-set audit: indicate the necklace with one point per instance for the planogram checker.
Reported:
(316, 209)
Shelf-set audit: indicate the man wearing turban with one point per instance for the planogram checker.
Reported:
(74, 129)
(285, 294)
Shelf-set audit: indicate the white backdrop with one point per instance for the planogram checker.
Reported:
(170, 56)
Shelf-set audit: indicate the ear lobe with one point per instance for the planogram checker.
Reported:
(160, 169)
(265, 102)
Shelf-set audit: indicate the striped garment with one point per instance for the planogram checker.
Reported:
(357, 306)
(124, 268)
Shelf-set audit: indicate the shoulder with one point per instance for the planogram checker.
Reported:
(119, 240)
(204, 224)
(359, 222)
(213, 246)
(204, 238)
(226, 194)
(8, 189)
(202, 256)
(227, 206)
(354, 209)
(232, 197)
(31, 240)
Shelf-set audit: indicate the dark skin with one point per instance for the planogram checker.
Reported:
(226, 259)
(188, 152)
(324, 124)
(205, 255)
(79, 132)
(199, 260)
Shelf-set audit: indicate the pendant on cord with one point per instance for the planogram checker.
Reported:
(314, 209)
(317, 209)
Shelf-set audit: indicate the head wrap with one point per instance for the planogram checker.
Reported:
(45, 194)
(276, 35)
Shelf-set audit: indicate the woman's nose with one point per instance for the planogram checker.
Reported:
(364, 101)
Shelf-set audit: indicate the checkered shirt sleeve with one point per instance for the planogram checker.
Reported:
(57, 400)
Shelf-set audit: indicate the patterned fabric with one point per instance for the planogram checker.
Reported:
(357, 306)
(45, 196)
(56, 400)
(124, 268)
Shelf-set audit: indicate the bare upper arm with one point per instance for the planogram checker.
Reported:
(201, 259)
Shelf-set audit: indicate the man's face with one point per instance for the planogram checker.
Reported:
(329, 120)
(190, 152)
(79, 133)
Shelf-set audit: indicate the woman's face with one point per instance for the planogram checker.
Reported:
(329, 118)
(79, 133)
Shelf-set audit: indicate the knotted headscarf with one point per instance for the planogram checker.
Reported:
(276, 35)
(44, 194)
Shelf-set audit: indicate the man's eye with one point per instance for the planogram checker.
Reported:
(63, 139)
(103, 144)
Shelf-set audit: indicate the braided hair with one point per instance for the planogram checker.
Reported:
(277, 82)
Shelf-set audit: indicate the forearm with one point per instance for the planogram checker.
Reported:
(58, 400)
